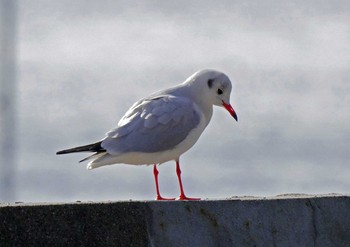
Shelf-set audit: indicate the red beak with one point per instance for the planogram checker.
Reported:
(229, 108)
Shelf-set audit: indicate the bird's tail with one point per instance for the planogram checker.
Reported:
(94, 147)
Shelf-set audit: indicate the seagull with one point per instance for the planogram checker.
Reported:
(163, 126)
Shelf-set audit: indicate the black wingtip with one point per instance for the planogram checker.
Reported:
(95, 147)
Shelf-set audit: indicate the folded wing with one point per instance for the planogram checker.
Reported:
(153, 125)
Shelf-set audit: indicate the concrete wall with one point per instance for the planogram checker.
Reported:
(280, 221)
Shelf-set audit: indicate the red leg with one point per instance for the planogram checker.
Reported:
(182, 193)
(155, 173)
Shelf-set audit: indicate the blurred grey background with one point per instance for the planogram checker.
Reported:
(81, 64)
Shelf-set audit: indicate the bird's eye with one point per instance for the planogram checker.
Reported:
(220, 91)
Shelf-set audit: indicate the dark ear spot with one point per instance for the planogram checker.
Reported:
(210, 83)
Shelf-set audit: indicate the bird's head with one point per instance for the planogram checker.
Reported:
(213, 87)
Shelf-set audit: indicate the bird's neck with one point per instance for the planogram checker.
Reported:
(203, 104)
(206, 109)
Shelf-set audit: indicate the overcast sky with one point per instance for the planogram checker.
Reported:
(82, 64)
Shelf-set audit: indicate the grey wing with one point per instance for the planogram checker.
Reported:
(153, 125)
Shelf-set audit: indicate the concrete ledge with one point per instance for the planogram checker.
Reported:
(291, 220)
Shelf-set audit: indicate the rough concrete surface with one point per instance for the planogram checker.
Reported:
(289, 220)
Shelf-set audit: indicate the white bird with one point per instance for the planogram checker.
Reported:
(162, 126)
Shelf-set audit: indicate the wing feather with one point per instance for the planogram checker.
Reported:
(153, 125)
